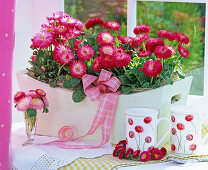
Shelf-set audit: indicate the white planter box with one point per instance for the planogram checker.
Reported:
(63, 111)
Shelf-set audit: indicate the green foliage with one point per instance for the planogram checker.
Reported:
(31, 112)
(177, 17)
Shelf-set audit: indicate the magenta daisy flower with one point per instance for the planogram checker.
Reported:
(77, 69)
(144, 53)
(92, 22)
(19, 95)
(183, 51)
(108, 62)
(79, 25)
(105, 38)
(61, 30)
(24, 103)
(97, 64)
(36, 104)
(152, 43)
(32, 94)
(72, 33)
(127, 40)
(57, 16)
(43, 39)
(119, 50)
(152, 68)
(162, 52)
(122, 59)
(138, 40)
(40, 93)
(63, 55)
(112, 25)
(68, 21)
(166, 35)
(85, 53)
(181, 38)
(171, 48)
(77, 43)
(106, 50)
(142, 29)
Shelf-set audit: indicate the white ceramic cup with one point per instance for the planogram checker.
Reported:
(141, 128)
(186, 131)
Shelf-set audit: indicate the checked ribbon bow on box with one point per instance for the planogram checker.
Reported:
(104, 88)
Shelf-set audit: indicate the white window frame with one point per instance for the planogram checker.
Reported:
(131, 23)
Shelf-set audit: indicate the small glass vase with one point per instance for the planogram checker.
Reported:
(30, 123)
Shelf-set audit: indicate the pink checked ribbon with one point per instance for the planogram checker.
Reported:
(104, 88)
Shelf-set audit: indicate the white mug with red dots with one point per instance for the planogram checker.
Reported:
(186, 131)
(141, 128)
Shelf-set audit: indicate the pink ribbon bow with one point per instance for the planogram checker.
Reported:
(94, 86)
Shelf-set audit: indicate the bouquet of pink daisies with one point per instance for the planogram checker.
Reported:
(64, 51)
(31, 102)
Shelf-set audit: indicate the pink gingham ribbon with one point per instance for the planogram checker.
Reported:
(104, 88)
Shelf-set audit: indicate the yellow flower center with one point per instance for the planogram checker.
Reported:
(64, 51)
(40, 91)
(49, 29)
(151, 66)
(106, 38)
(144, 156)
(107, 51)
(18, 95)
(34, 101)
(42, 37)
(156, 155)
(77, 68)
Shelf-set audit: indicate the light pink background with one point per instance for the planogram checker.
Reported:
(7, 11)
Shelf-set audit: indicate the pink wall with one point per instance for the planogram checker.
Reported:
(7, 11)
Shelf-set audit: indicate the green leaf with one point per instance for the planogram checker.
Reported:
(53, 84)
(31, 112)
(126, 90)
(78, 96)
(170, 81)
(75, 81)
(68, 84)
(91, 40)
(45, 109)
(146, 85)
(180, 75)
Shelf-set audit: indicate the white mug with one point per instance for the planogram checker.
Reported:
(141, 128)
(186, 131)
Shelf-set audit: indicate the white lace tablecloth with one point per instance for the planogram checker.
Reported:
(49, 157)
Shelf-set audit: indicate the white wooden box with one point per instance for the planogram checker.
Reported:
(63, 111)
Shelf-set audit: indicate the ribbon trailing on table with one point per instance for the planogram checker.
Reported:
(104, 88)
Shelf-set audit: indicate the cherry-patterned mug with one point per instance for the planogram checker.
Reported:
(141, 128)
(186, 131)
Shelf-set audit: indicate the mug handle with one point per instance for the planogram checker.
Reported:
(164, 136)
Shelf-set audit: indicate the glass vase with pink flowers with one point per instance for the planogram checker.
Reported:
(29, 103)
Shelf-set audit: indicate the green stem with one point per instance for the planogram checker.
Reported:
(194, 126)
(60, 39)
(143, 146)
(127, 73)
(136, 142)
(143, 45)
(151, 80)
(112, 72)
(117, 71)
(184, 146)
(139, 142)
(59, 71)
(93, 30)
